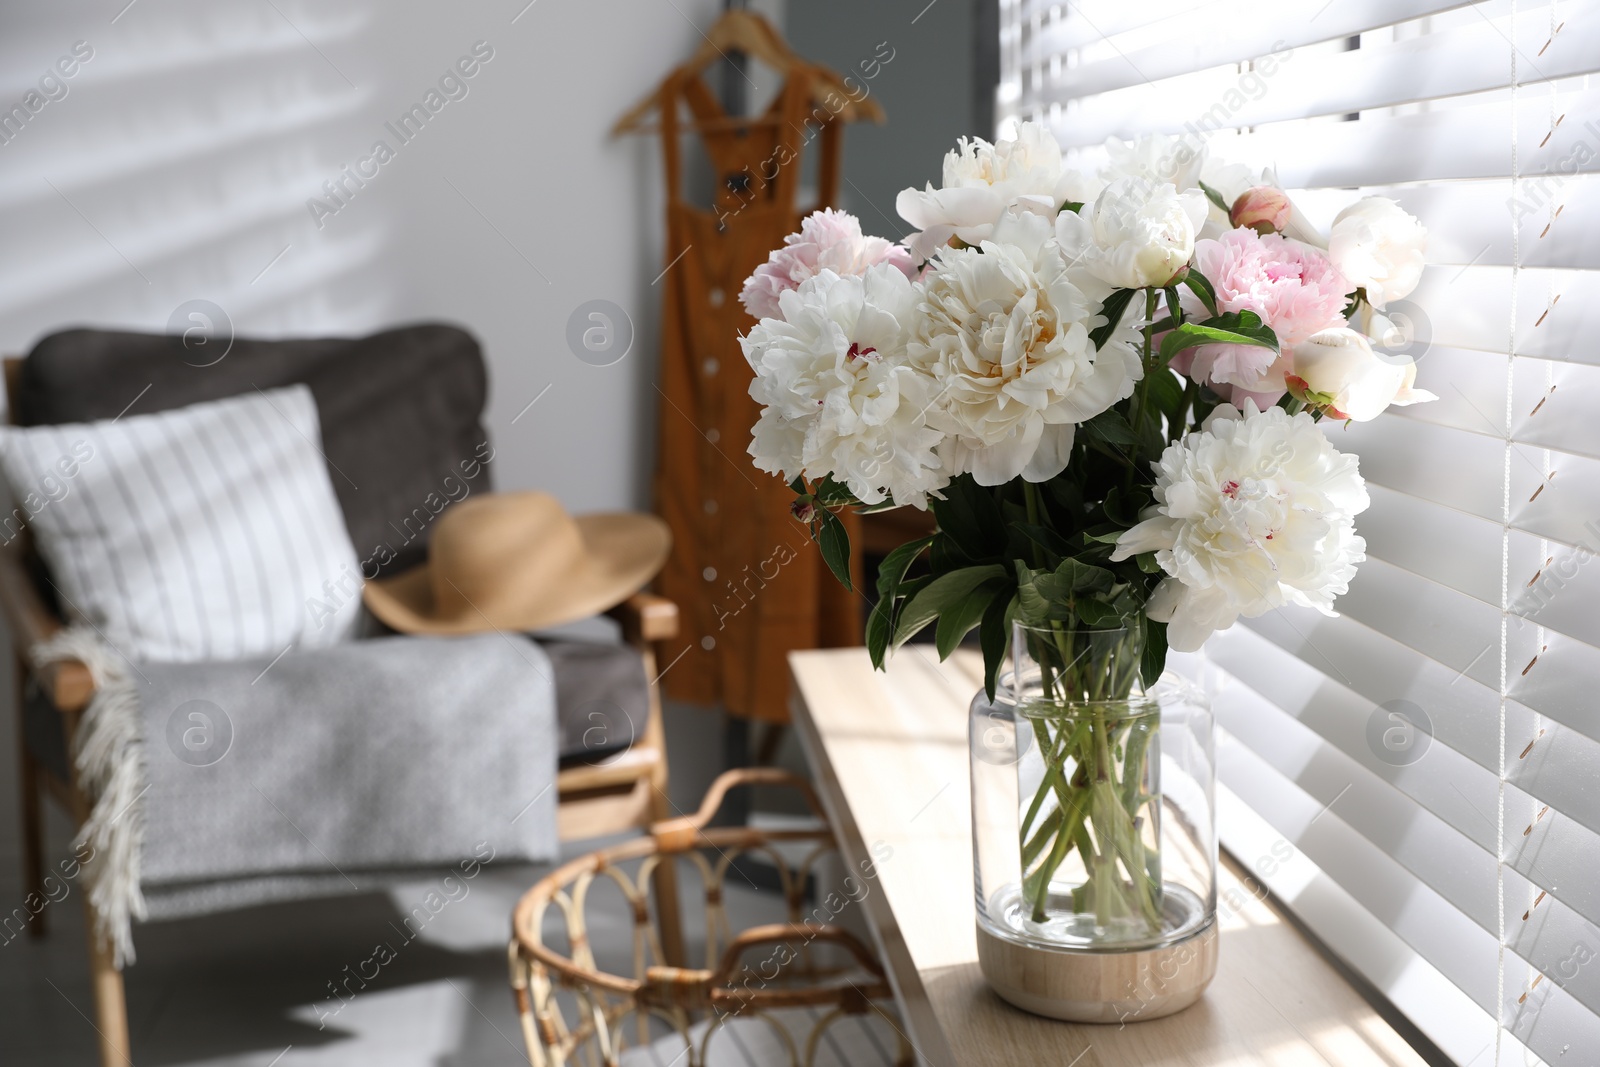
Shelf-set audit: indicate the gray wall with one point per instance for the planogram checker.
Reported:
(926, 88)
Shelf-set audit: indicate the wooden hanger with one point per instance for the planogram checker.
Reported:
(748, 33)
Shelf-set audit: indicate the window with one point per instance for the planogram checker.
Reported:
(1451, 715)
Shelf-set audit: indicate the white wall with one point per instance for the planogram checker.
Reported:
(184, 151)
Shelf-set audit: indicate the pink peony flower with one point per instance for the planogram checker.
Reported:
(1263, 368)
(828, 240)
(1293, 287)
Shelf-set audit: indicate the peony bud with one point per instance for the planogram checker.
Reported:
(1340, 364)
(804, 509)
(1264, 209)
(1379, 248)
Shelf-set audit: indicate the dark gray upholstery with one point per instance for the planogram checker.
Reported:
(602, 697)
(400, 411)
(401, 430)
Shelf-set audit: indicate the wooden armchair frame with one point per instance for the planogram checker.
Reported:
(622, 792)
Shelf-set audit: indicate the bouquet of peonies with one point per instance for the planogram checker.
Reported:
(1106, 388)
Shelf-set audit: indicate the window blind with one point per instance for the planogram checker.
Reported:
(1432, 755)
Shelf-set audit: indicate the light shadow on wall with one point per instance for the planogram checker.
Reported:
(175, 162)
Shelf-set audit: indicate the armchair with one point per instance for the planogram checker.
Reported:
(622, 792)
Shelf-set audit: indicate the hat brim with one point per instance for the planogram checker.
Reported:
(622, 552)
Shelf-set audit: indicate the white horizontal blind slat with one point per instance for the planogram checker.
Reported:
(1460, 870)
(1551, 585)
(1470, 306)
(1563, 504)
(1477, 601)
(1550, 673)
(1414, 985)
(1555, 409)
(1469, 221)
(1455, 780)
(1460, 949)
(1465, 60)
(1445, 143)
(1207, 35)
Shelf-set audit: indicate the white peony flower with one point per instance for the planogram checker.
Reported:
(1004, 331)
(837, 393)
(1159, 158)
(1252, 513)
(1136, 234)
(982, 181)
(1341, 363)
(1379, 247)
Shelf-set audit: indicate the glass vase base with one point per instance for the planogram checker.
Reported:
(1010, 916)
(1107, 983)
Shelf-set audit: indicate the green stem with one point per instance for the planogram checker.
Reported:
(1099, 809)
(1143, 387)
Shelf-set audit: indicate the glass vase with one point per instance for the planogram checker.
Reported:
(1093, 828)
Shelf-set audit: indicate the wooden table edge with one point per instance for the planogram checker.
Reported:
(915, 1007)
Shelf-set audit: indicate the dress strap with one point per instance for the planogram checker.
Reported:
(671, 151)
(792, 106)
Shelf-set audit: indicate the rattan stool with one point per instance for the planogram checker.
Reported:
(807, 972)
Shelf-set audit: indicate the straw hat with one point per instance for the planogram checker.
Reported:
(518, 561)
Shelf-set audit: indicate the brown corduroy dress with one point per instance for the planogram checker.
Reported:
(749, 583)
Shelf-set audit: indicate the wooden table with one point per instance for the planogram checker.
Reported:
(889, 753)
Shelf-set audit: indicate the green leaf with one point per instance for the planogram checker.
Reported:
(1166, 391)
(1112, 309)
(880, 626)
(1154, 660)
(891, 573)
(1118, 510)
(994, 633)
(1065, 494)
(835, 544)
(798, 485)
(1073, 578)
(1216, 198)
(1174, 309)
(1097, 614)
(941, 595)
(1111, 427)
(1032, 607)
(1044, 537)
(1129, 603)
(1234, 328)
(969, 515)
(832, 494)
(958, 620)
(873, 509)
(1200, 285)
(1204, 404)
(1073, 206)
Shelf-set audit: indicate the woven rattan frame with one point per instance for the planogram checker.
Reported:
(681, 997)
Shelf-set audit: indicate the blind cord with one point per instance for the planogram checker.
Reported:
(1505, 566)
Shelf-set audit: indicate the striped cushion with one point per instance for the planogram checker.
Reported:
(207, 532)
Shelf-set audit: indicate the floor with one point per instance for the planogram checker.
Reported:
(253, 987)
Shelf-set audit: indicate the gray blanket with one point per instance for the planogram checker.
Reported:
(322, 771)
